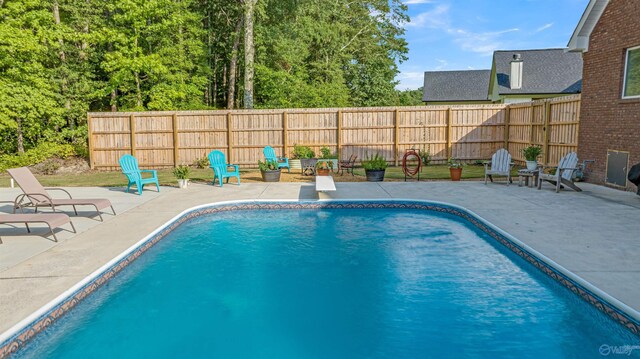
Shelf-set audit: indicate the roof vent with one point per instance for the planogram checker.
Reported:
(515, 79)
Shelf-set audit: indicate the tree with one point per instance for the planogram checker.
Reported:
(249, 52)
(29, 110)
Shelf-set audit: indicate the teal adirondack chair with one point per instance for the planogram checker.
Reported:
(220, 167)
(129, 165)
(270, 155)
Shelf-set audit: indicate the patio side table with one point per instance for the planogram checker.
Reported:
(525, 174)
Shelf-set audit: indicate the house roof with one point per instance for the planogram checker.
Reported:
(469, 85)
(580, 39)
(546, 71)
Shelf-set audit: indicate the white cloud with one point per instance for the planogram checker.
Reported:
(410, 80)
(436, 18)
(412, 2)
(544, 27)
(484, 43)
(442, 64)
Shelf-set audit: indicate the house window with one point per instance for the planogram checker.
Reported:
(631, 88)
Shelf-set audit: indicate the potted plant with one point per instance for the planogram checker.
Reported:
(182, 174)
(374, 168)
(301, 157)
(531, 154)
(329, 157)
(455, 169)
(269, 171)
(323, 168)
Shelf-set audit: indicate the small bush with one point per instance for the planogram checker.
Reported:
(377, 162)
(36, 155)
(326, 153)
(182, 172)
(202, 162)
(531, 153)
(268, 165)
(302, 152)
(454, 163)
(425, 156)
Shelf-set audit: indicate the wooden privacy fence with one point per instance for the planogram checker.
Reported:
(470, 132)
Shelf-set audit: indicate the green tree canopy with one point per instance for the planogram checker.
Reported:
(62, 58)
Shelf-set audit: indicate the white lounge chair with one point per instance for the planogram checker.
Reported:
(501, 165)
(563, 174)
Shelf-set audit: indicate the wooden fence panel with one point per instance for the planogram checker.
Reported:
(367, 133)
(315, 130)
(472, 132)
(563, 129)
(199, 134)
(425, 130)
(476, 132)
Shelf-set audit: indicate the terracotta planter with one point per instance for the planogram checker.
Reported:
(375, 175)
(456, 173)
(270, 176)
(322, 171)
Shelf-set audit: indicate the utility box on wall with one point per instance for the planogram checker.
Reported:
(617, 165)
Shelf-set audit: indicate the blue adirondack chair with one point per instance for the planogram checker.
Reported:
(270, 155)
(220, 167)
(129, 165)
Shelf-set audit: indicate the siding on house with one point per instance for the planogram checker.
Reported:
(608, 122)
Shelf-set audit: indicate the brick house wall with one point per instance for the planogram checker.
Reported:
(606, 121)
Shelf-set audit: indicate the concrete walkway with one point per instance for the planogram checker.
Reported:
(594, 233)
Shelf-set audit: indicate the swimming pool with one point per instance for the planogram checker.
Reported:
(330, 281)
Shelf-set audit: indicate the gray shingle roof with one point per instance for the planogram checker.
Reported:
(472, 85)
(544, 71)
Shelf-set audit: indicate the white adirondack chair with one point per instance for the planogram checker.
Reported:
(500, 165)
(563, 175)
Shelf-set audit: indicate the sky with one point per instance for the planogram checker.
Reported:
(462, 34)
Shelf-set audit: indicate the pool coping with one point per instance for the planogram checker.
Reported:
(19, 335)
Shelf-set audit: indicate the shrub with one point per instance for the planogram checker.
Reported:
(182, 172)
(454, 163)
(202, 162)
(326, 153)
(531, 153)
(268, 165)
(302, 152)
(425, 156)
(36, 155)
(377, 162)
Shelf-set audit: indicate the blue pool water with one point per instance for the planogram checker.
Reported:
(330, 283)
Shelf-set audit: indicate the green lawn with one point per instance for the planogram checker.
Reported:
(433, 172)
(116, 178)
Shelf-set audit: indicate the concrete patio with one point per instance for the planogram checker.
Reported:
(592, 233)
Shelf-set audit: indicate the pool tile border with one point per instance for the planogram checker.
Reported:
(18, 341)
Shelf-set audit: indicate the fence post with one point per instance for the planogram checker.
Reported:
(547, 120)
(229, 138)
(285, 143)
(449, 149)
(396, 120)
(90, 135)
(132, 128)
(531, 116)
(507, 119)
(339, 134)
(175, 139)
